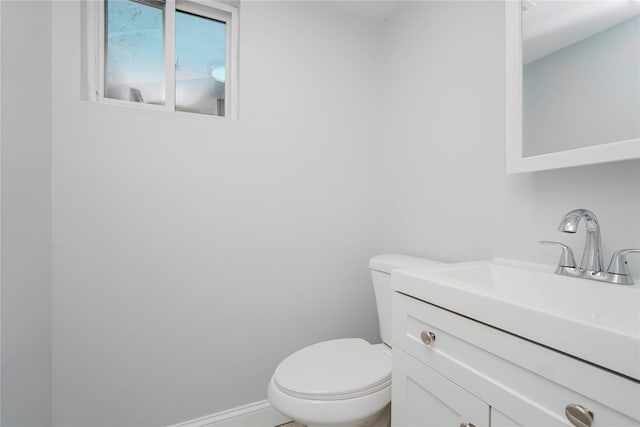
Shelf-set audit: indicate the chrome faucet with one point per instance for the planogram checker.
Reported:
(592, 255)
(591, 266)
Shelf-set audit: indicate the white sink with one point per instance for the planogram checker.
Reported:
(594, 321)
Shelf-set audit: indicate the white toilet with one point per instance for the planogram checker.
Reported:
(344, 382)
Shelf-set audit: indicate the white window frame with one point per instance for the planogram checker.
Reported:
(212, 9)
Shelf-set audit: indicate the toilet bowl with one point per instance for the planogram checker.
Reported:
(343, 382)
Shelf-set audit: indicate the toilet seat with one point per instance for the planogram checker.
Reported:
(334, 370)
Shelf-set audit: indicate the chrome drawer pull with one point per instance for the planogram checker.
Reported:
(467, 425)
(427, 337)
(578, 415)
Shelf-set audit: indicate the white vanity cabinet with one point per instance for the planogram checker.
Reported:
(474, 374)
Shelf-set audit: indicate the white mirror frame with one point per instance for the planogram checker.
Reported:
(516, 162)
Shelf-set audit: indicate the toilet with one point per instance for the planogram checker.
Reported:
(344, 382)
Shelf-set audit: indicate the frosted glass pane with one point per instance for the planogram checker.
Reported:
(134, 63)
(201, 46)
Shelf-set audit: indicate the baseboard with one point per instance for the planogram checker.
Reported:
(257, 414)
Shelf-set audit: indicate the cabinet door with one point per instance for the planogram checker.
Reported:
(498, 419)
(422, 397)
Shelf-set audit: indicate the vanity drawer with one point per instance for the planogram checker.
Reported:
(511, 373)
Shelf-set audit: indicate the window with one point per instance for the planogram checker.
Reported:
(134, 51)
(175, 55)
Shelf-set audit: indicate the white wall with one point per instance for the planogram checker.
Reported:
(192, 254)
(444, 187)
(26, 197)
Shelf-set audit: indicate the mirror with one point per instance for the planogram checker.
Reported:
(573, 83)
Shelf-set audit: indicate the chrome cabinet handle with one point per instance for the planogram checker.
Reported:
(467, 425)
(578, 415)
(427, 337)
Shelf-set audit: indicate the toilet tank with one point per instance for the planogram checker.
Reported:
(381, 267)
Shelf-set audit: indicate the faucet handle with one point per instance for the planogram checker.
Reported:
(618, 264)
(566, 259)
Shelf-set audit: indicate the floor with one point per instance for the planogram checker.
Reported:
(292, 424)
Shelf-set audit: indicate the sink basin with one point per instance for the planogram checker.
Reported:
(594, 321)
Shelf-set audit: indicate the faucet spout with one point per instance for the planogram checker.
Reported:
(592, 255)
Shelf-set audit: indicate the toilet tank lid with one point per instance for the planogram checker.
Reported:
(387, 262)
